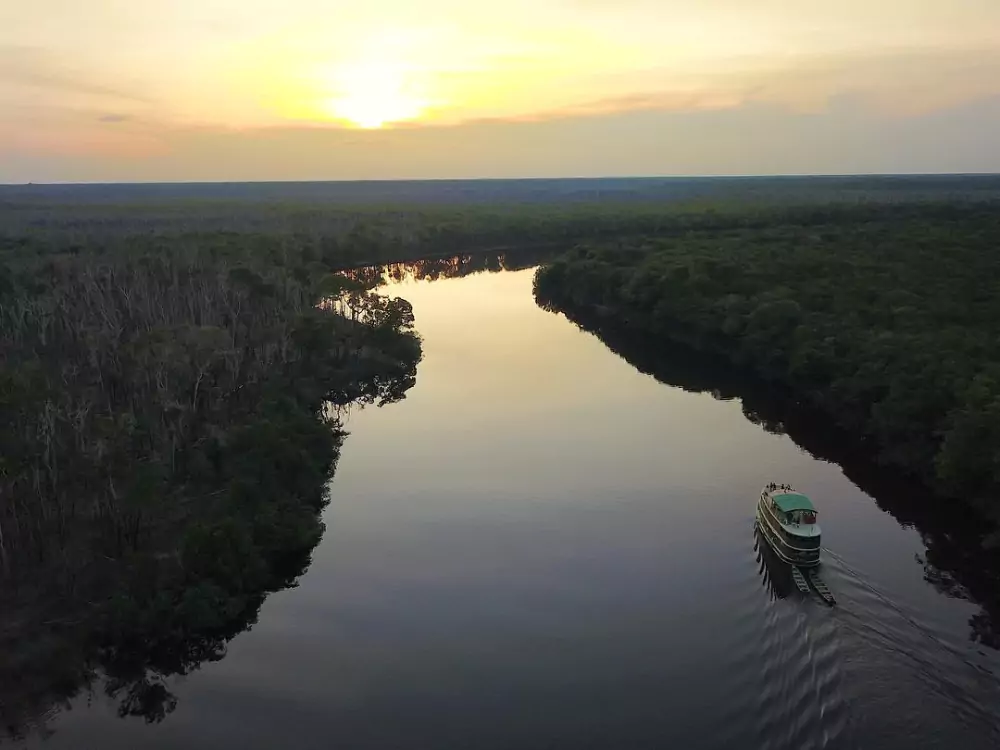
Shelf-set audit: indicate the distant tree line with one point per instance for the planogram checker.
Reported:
(339, 235)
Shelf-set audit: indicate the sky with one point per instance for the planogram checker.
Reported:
(167, 90)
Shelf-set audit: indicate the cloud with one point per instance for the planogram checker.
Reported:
(32, 67)
(903, 82)
(756, 138)
(666, 101)
(115, 118)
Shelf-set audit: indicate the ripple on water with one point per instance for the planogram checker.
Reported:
(803, 675)
(784, 684)
(903, 666)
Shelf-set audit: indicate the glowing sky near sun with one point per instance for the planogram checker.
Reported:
(108, 88)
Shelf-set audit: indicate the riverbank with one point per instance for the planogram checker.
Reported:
(884, 322)
(962, 557)
(166, 448)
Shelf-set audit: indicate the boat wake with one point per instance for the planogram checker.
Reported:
(799, 701)
(925, 675)
(912, 682)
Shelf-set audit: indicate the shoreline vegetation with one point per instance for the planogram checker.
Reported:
(175, 361)
(956, 560)
(170, 422)
(885, 321)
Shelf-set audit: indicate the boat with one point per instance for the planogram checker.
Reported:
(787, 519)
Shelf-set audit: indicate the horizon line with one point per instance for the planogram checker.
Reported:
(575, 178)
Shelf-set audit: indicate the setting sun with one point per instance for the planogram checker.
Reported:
(371, 95)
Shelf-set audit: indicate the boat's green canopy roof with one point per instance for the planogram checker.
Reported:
(793, 501)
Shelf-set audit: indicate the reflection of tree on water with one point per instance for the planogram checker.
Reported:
(133, 669)
(451, 267)
(958, 560)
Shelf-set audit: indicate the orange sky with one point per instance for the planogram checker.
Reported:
(313, 89)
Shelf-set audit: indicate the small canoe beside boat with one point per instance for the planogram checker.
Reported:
(787, 519)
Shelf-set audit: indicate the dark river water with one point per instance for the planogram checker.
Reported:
(543, 547)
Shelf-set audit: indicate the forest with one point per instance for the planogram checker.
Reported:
(320, 226)
(888, 321)
(175, 362)
(171, 417)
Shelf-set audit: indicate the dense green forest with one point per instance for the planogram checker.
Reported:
(343, 225)
(887, 320)
(170, 420)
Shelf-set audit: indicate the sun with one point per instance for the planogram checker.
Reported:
(373, 95)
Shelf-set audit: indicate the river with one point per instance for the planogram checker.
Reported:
(543, 547)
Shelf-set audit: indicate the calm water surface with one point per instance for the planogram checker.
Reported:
(542, 547)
